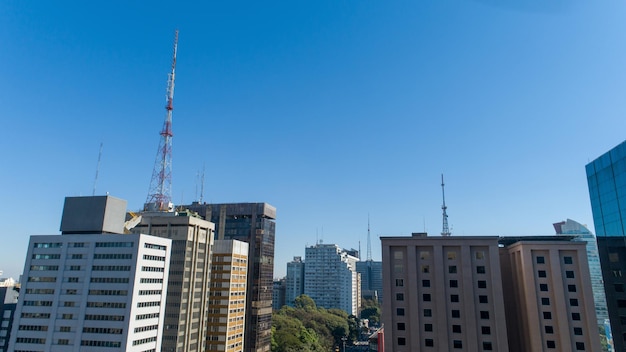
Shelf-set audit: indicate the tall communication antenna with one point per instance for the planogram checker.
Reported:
(369, 240)
(202, 184)
(95, 181)
(160, 193)
(445, 230)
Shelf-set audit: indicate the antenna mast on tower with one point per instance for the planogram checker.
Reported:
(160, 193)
(369, 240)
(445, 230)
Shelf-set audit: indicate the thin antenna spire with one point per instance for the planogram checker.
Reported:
(445, 231)
(369, 240)
(202, 184)
(95, 181)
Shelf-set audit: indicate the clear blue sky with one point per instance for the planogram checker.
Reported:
(329, 110)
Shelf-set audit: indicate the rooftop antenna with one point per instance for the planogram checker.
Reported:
(95, 181)
(369, 240)
(445, 230)
(202, 184)
(160, 193)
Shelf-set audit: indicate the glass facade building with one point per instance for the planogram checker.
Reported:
(606, 177)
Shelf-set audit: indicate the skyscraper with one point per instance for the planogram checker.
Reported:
(606, 177)
(186, 310)
(571, 227)
(487, 294)
(92, 288)
(442, 294)
(330, 278)
(371, 279)
(253, 223)
(294, 280)
(9, 292)
(227, 297)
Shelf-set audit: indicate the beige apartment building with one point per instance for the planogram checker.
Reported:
(227, 297)
(549, 300)
(442, 294)
(187, 301)
(470, 293)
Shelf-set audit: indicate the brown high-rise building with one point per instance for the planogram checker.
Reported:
(442, 294)
(255, 224)
(187, 301)
(487, 294)
(549, 299)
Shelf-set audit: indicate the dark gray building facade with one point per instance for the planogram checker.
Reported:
(255, 224)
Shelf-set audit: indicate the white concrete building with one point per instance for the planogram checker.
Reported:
(89, 289)
(330, 278)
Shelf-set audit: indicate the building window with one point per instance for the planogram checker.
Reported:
(425, 283)
(571, 288)
(452, 269)
(428, 312)
(483, 299)
(578, 331)
(484, 314)
(426, 297)
(549, 329)
(569, 274)
(619, 287)
(482, 284)
(480, 269)
(429, 343)
(454, 298)
(401, 326)
(485, 330)
(457, 344)
(487, 346)
(575, 316)
(550, 344)
(573, 302)
(614, 257)
(401, 341)
(480, 255)
(543, 287)
(545, 301)
(451, 255)
(428, 327)
(456, 313)
(456, 328)
(567, 260)
(425, 269)
(398, 268)
(399, 282)
(424, 255)
(541, 260)
(398, 255)
(547, 315)
(399, 296)
(400, 312)
(541, 273)
(454, 283)
(580, 346)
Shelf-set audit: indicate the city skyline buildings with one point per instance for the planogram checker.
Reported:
(226, 76)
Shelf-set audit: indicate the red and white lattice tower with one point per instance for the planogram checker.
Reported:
(160, 193)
